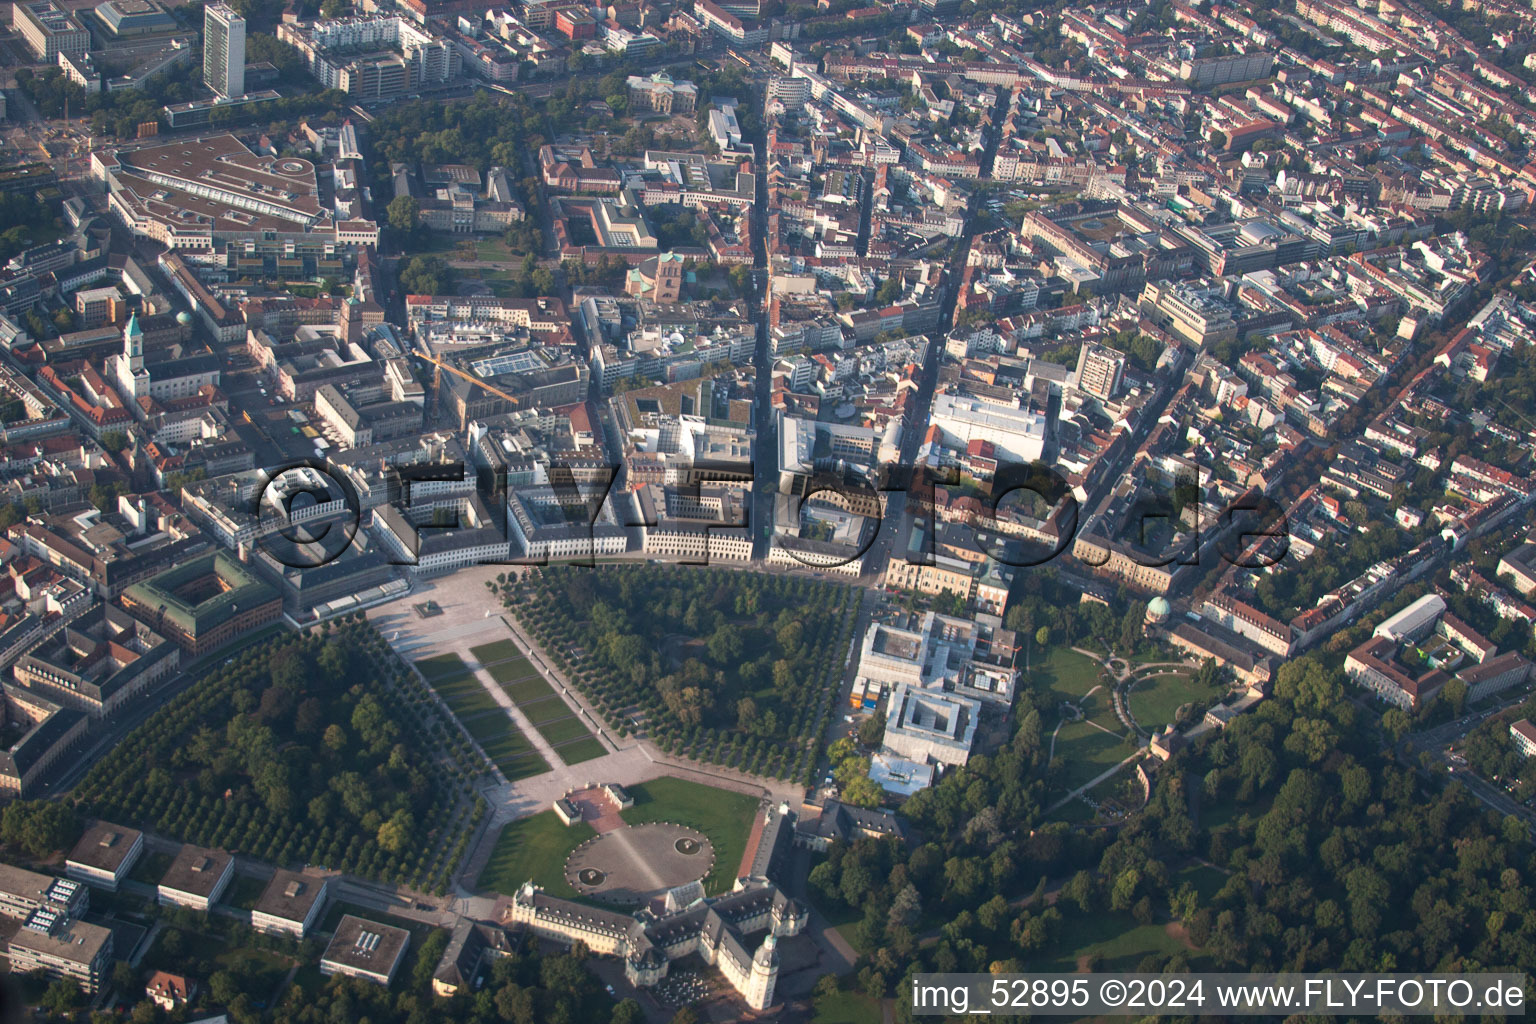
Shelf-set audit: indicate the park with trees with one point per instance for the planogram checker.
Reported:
(733, 668)
(319, 748)
(1292, 840)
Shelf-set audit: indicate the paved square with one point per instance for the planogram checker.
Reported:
(630, 866)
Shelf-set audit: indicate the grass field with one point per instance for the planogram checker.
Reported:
(1228, 811)
(525, 690)
(441, 665)
(534, 848)
(545, 710)
(489, 654)
(842, 918)
(503, 661)
(495, 248)
(563, 730)
(1073, 812)
(505, 744)
(1115, 937)
(464, 694)
(1066, 674)
(1087, 752)
(1102, 714)
(484, 719)
(1155, 700)
(514, 757)
(847, 1008)
(581, 750)
(725, 817)
(509, 672)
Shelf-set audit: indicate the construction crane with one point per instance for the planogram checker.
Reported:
(437, 380)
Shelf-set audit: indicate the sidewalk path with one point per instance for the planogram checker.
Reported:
(1085, 787)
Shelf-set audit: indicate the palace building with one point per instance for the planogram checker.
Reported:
(716, 929)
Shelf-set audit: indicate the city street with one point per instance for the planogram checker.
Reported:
(1439, 741)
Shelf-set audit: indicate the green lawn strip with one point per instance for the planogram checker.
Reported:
(309, 980)
(1087, 752)
(505, 744)
(514, 759)
(501, 650)
(534, 848)
(511, 672)
(495, 250)
(492, 724)
(581, 750)
(470, 699)
(547, 710)
(453, 682)
(1100, 703)
(725, 817)
(1155, 700)
(563, 729)
(440, 665)
(524, 767)
(527, 690)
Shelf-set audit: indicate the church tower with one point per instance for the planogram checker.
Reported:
(132, 378)
(765, 972)
(133, 343)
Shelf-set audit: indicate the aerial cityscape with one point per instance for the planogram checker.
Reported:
(687, 511)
